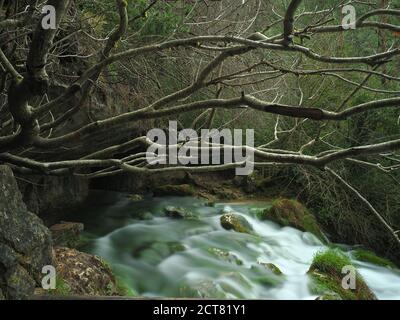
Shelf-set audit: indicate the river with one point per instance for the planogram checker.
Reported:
(157, 256)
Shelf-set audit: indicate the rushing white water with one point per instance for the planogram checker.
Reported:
(174, 258)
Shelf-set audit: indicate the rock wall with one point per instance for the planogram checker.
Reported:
(50, 197)
(25, 243)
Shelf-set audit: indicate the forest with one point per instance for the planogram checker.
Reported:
(206, 149)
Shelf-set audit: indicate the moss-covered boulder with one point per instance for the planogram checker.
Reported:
(270, 266)
(236, 222)
(80, 273)
(66, 234)
(292, 213)
(179, 213)
(225, 255)
(136, 197)
(371, 257)
(174, 190)
(327, 273)
(267, 276)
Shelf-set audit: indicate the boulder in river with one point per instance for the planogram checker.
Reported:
(271, 267)
(292, 213)
(225, 255)
(236, 222)
(178, 213)
(25, 243)
(327, 275)
(136, 197)
(180, 190)
(66, 234)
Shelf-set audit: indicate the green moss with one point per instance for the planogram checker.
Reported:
(123, 289)
(62, 287)
(288, 212)
(326, 273)
(371, 257)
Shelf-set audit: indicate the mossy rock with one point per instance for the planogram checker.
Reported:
(265, 276)
(202, 290)
(136, 197)
(225, 255)
(80, 273)
(326, 274)
(181, 190)
(270, 266)
(179, 213)
(371, 257)
(236, 222)
(292, 213)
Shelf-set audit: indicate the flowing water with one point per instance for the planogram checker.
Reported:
(158, 256)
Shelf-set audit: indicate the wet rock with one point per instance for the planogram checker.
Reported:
(80, 273)
(66, 234)
(236, 222)
(25, 243)
(202, 290)
(178, 213)
(271, 267)
(174, 190)
(292, 213)
(327, 277)
(136, 197)
(144, 216)
(225, 255)
(266, 276)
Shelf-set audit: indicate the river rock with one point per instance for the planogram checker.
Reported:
(326, 275)
(174, 190)
(66, 234)
(287, 212)
(80, 273)
(178, 213)
(25, 243)
(271, 267)
(225, 255)
(136, 197)
(236, 222)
